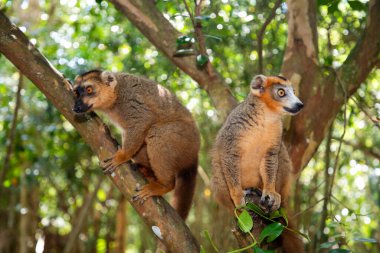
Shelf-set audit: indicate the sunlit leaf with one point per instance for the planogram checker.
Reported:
(202, 60)
(245, 221)
(203, 18)
(184, 52)
(360, 239)
(326, 245)
(213, 37)
(185, 40)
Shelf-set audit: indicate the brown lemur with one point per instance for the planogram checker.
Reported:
(158, 132)
(249, 152)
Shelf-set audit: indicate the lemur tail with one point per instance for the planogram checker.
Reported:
(291, 242)
(184, 190)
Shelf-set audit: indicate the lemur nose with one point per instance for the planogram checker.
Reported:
(299, 106)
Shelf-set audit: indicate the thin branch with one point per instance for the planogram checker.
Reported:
(341, 137)
(321, 237)
(189, 12)
(77, 227)
(362, 147)
(307, 209)
(161, 33)
(260, 35)
(12, 131)
(375, 120)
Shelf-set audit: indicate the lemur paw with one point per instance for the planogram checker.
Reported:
(110, 164)
(270, 201)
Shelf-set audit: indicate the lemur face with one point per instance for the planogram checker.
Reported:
(277, 93)
(94, 90)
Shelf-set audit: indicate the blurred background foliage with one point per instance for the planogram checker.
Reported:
(51, 172)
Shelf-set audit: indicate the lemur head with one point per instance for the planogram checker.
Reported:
(94, 90)
(277, 93)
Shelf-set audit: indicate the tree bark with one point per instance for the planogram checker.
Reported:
(121, 223)
(15, 46)
(160, 32)
(323, 94)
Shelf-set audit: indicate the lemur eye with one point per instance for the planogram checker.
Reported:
(76, 93)
(89, 90)
(281, 92)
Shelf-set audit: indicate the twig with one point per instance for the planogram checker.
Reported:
(12, 131)
(374, 120)
(190, 13)
(77, 227)
(260, 35)
(307, 209)
(197, 24)
(341, 137)
(362, 147)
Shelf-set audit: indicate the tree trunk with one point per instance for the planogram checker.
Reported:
(29, 203)
(121, 226)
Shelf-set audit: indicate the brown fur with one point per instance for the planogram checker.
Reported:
(249, 153)
(158, 132)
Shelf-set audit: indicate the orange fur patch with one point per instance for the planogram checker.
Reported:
(267, 98)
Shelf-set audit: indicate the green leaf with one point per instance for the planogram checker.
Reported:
(256, 249)
(332, 8)
(272, 231)
(339, 251)
(203, 18)
(202, 60)
(327, 245)
(275, 214)
(245, 221)
(213, 37)
(185, 40)
(202, 250)
(184, 52)
(256, 209)
(360, 239)
(284, 215)
(357, 5)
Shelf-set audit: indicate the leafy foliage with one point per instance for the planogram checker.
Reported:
(52, 164)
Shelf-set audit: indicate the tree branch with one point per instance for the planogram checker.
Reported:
(260, 35)
(12, 131)
(155, 211)
(366, 52)
(160, 32)
(324, 91)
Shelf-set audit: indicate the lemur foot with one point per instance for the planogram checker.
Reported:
(270, 201)
(149, 190)
(110, 164)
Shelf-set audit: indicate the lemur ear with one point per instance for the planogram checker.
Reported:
(108, 78)
(258, 85)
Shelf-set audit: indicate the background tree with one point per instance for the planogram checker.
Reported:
(326, 53)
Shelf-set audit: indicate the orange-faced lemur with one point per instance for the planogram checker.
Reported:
(249, 152)
(158, 132)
